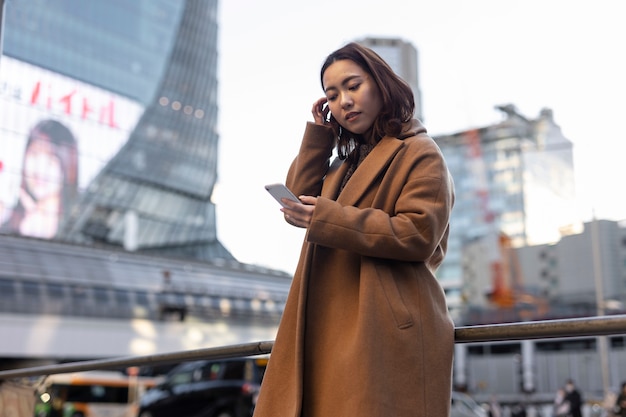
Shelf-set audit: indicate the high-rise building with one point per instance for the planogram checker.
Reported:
(108, 115)
(513, 180)
(402, 57)
(124, 95)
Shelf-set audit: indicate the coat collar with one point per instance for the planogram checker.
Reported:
(376, 162)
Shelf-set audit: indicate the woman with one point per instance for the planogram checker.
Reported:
(365, 330)
(49, 181)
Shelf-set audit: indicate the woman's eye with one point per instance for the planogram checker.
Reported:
(354, 87)
(331, 98)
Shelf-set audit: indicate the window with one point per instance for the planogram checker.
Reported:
(122, 297)
(142, 298)
(31, 289)
(7, 288)
(234, 370)
(54, 290)
(95, 393)
(101, 295)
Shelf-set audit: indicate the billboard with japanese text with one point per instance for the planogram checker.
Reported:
(56, 134)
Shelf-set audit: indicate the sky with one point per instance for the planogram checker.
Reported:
(565, 55)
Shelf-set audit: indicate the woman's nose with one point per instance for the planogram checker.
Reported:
(346, 101)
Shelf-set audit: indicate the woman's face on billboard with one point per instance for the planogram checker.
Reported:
(42, 169)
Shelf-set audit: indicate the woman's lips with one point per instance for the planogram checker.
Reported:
(351, 116)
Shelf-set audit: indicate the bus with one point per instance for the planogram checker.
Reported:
(91, 394)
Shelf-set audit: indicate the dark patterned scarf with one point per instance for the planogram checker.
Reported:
(363, 150)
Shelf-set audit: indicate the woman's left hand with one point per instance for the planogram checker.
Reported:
(297, 214)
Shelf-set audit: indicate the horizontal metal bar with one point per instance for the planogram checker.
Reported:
(222, 352)
(545, 329)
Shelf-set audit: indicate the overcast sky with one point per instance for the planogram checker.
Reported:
(566, 55)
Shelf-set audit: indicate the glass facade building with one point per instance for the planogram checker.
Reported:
(108, 161)
(514, 180)
(108, 114)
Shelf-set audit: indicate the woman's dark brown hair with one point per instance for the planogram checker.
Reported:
(398, 102)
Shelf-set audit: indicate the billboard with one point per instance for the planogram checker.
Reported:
(56, 134)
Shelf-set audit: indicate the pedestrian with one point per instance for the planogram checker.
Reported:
(573, 397)
(494, 407)
(518, 410)
(365, 330)
(620, 403)
(561, 406)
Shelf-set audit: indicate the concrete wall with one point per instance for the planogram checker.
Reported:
(31, 336)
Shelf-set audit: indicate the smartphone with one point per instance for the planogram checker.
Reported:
(279, 191)
(328, 117)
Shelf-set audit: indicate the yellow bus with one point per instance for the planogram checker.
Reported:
(91, 394)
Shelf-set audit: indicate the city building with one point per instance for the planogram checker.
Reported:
(108, 129)
(133, 89)
(402, 57)
(573, 270)
(514, 184)
(581, 275)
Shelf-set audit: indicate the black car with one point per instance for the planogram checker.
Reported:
(223, 388)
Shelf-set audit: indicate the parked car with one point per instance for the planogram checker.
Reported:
(223, 388)
(465, 406)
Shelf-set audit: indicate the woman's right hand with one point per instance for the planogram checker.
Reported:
(320, 111)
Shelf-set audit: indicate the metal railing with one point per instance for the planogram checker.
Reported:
(545, 329)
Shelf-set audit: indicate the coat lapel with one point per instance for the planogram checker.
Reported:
(372, 166)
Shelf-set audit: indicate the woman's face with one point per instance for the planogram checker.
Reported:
(353, 97)
(42, 169)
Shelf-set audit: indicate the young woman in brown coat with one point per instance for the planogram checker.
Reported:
(365, 331)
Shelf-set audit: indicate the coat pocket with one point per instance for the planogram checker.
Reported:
(400, 312)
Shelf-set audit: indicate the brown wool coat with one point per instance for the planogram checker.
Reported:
(366, 331)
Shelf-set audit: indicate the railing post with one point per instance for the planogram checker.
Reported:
(599, 284)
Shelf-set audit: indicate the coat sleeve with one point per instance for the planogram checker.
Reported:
(307, 171)
(410, 223)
